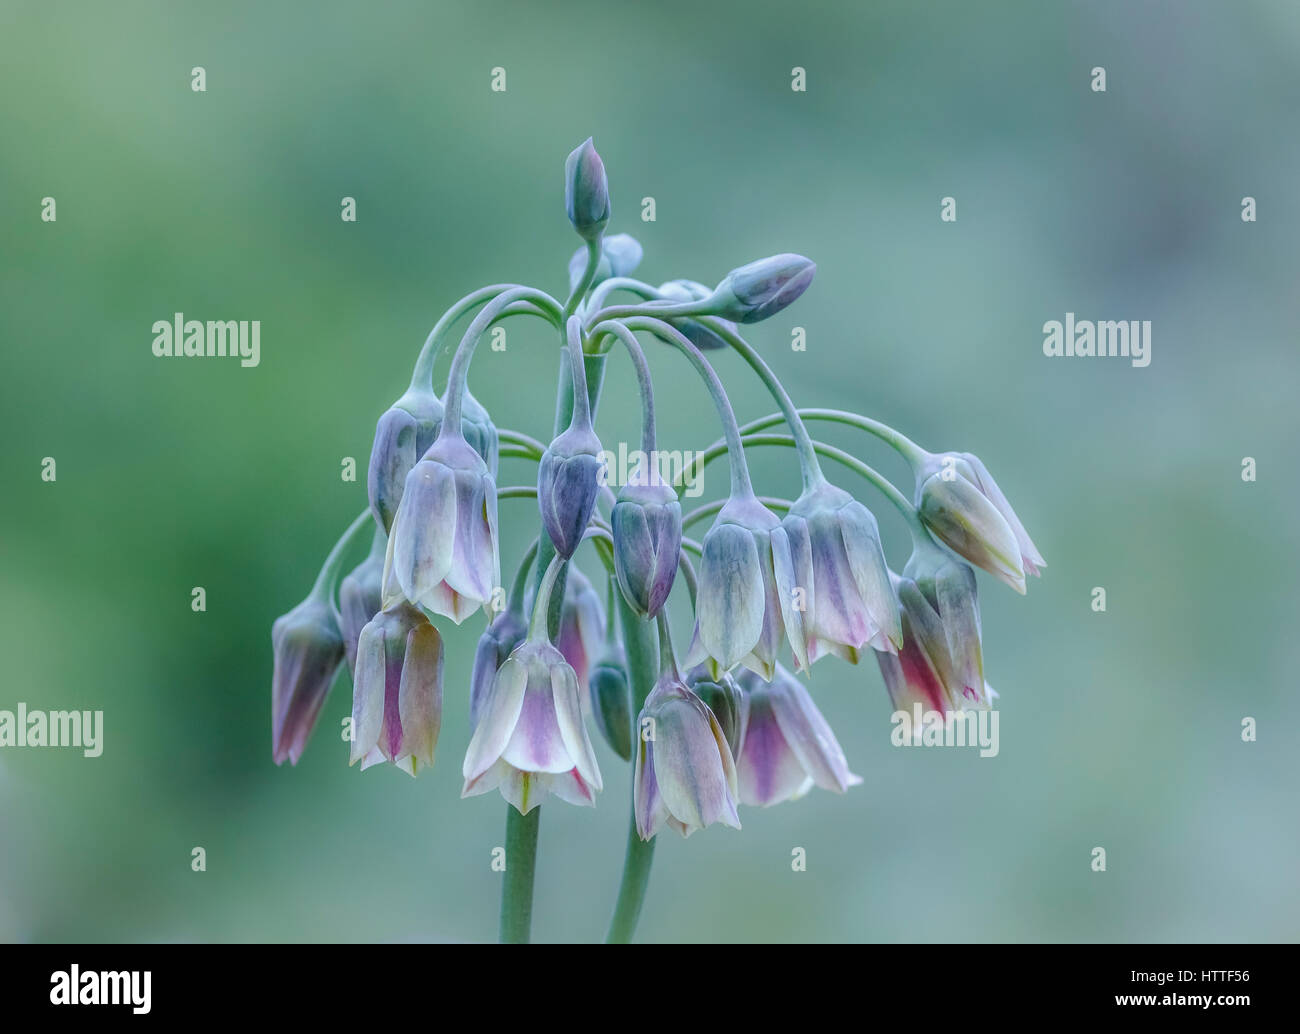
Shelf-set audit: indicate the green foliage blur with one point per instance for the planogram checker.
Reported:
(1119, 729)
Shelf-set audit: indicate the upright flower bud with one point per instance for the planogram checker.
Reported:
(611, 701)
(361, 597)
(397, 693)
(723, 696)
(647, 527)
(737, 609)
(697, 333)
(307, 647)
(788, 748)
(586, 191)
(763, 288)
(831, 578)
(620, 254)
(442, 553)
(403, 434)
(530, 739)
(568, 480)
(685, 775)
(960, 502)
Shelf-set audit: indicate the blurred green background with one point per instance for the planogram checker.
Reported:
(1119, 730)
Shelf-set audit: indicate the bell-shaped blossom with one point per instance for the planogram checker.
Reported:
(530, 739)
(506, 631)
(789, 748)
(959, 501)
(647, 527)
(831, 578)
(738, 616)
(685, 775)
(307, 648)
(397, 691)
(442, 553)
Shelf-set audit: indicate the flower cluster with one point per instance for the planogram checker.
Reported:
(805, 578)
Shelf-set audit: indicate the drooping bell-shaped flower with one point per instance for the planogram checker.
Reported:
(960, 502)
(737, 610)
(831, 578)
(611, 700)
(647, 527)
(478, 429)
(697, 333)
(397, 691)
(307, 648)
(442, 553)
(361, 596)
(724, 697)
(685, 775)
(530, 739)
(586, 191)
(763, 288)
(403, 434)
(789, 748)
(620, 254)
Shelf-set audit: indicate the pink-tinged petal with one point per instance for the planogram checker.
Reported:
(570, 787)
(867, 566)
(647, 802)
(793, 575)
(486, 781)
(688, 766)
(443, 599)
(959, 614)
(368, 692)
(809, 736)
(1030, 558)
(420, 693)
(501, 712)
(423, 531)
(768, 771)
(536, 744)
(573, 731)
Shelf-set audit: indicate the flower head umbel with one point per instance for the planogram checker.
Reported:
(442, 552)
(307, 647)
(397, 692)
(738, 611)
(788, 747)
(647, 526)
(831, 578)
(531, 739)
(960, 502)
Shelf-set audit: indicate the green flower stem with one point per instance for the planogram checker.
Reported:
(422, 377)
(909, 450)
(808, 465)
(517, 888)
(541, 606)
(520, 584)
(741, 486)
(588, 275)
(644, 384)
(328, 577)
(522, 440)
(688, 573)
(459, 372)
(517, 452)
(581, 415)
(622, 283)
(640, 645)
(662, 309)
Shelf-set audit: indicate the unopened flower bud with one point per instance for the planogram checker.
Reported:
(647, 527)
(307, 647)
(611, 702)
(586, 191)
(402, 435)
(726, 700)
(568, 480)
(361, 597)
(763, 288)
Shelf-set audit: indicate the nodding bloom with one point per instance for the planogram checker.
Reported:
(737, 610)
(832, 580)
(960, 502)
(647, 526)
(763, 288)
(307, 647)
(361, 597)
(941, 663)
(788, 748)
(442, 553)
(530, 739)
(724, 698)
(397, 692)
(685, 775)
(586, 191)
(402, 435)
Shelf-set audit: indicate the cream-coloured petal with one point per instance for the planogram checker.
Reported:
(368, 691)
(810, 736)
(500, 715)
(731, 601)
(419, 695)
(573, 730)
